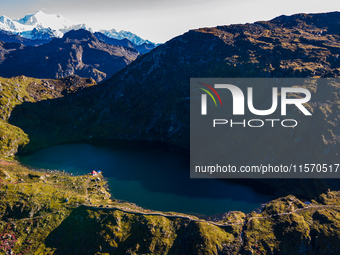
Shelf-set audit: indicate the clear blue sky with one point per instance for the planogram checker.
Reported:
(161, 20)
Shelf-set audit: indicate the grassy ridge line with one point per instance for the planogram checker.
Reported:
(19, 90)
(34, 210)
(55, 213)
(12, 92)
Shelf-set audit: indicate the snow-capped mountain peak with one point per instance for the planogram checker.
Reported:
(43, 26)
(125, 34)
(6, 23)
(52, 21)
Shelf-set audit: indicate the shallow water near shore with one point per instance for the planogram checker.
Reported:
(149, 177)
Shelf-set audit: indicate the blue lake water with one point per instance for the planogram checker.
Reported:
(149, 177)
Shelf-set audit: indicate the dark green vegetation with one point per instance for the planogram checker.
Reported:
(17, 90)
(149, 100)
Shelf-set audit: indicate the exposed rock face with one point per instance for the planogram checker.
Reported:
(123, 42)
(6, 36)
(78, 52)
(143, 48)
(7, 47)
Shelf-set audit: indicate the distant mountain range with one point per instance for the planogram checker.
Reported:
(77, 52)
(46, 26)
(9, 37)
(142, 48)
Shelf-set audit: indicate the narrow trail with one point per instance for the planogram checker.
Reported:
(294, 211)
(33, 218)
(244, 222)
(226, 224)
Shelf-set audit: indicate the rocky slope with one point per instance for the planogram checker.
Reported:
(151, 95)
(6, 36)
(6, 48)
(78, 52)
(122, 34)
(142, 48)
(123, 42)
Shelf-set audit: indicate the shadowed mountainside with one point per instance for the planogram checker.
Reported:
(6, 36)
(22, 89)
(78, 52)
(149, 99)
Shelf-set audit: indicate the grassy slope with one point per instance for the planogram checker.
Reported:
(12, 92)
(35, 216)
(54, 213)
(15, 91)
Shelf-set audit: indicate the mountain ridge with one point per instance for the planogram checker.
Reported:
(9, 37)
(143, 48)
(77, 52)
(57, 26)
